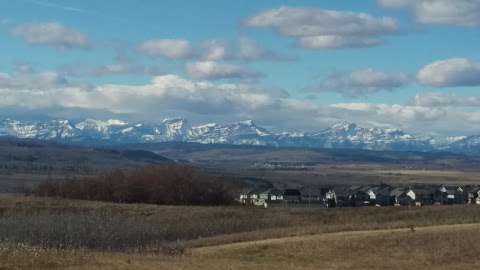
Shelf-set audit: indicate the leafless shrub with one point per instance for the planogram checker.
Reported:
(172, 185)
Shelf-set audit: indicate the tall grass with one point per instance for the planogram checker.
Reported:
(68, 224)
(95, 230)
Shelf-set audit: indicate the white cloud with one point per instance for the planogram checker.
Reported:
(112, 69)
(250, 50)
(450, 72)
(51, 34)
(203, 101)
(246, 49)
(361, 82)
(170, 48)
(173, 95)
(408, 117)
(445, 12)
(216, 70)
(216, 50)
(445, 100)
(25, 79)
(317, 28)
(164, 95)
(334, 42)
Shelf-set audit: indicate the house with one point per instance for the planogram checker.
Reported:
(329, 197)
(362, 196)
(275, 195)
(270, 194)
(292, 196)
(424, 194)
(403, 197)
(440, 196)
(473, 195)
(320, 196)
(261, 196)
(461, 196)
(311, 195)
(449, 195)
(383, 196)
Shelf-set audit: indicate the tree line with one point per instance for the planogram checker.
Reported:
(170, 185)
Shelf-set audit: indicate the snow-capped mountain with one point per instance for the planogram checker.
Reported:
(468, 145)
(349, 135)
(244, 132)
(340, 135)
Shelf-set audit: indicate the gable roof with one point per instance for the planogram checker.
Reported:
(292, 192)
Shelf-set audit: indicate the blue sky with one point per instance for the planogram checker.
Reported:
(289, 65)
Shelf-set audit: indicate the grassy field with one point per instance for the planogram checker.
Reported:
(436, 247)
(322, 175)
(63, 234)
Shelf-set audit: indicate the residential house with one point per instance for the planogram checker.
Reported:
(320, 196)
(473, 195)
(424, 194)
(311, 195)
(449, 195)
(329, 197)
(261, 196)
(383, 196)
(292, 196)
(362, 196)
(461, 196)
(403, 197)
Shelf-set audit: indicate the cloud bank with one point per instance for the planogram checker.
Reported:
(325, 29)
(51, 34)
(202, 101)
(450, 72)
(169, 48)
(215, 70)
(361, 82)
(443, 12)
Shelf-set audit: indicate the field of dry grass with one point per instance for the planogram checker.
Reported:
(435, 247)
(364, 175)
(228, 237)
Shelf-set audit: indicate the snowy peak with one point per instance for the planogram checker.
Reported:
(175, 128)
(99, 125)
(339, 135)
(344, 126)
(248, 127)
(464, 144)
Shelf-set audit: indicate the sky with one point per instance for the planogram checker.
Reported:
(289, 65)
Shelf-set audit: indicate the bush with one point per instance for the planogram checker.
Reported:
(172, 185)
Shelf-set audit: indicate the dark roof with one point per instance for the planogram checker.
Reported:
(383, 190)
(397, 192)
(471, 189)
(273, 191)
(292, 192)
(315, 191)
(424, 191)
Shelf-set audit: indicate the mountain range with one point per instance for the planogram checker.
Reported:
(340, 135)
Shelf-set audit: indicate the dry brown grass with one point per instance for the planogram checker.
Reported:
(83, 224)
(437, 247)
(326, 241)
(432, 248)
(346, 174)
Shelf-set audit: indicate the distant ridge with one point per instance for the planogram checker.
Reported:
(340, 135)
